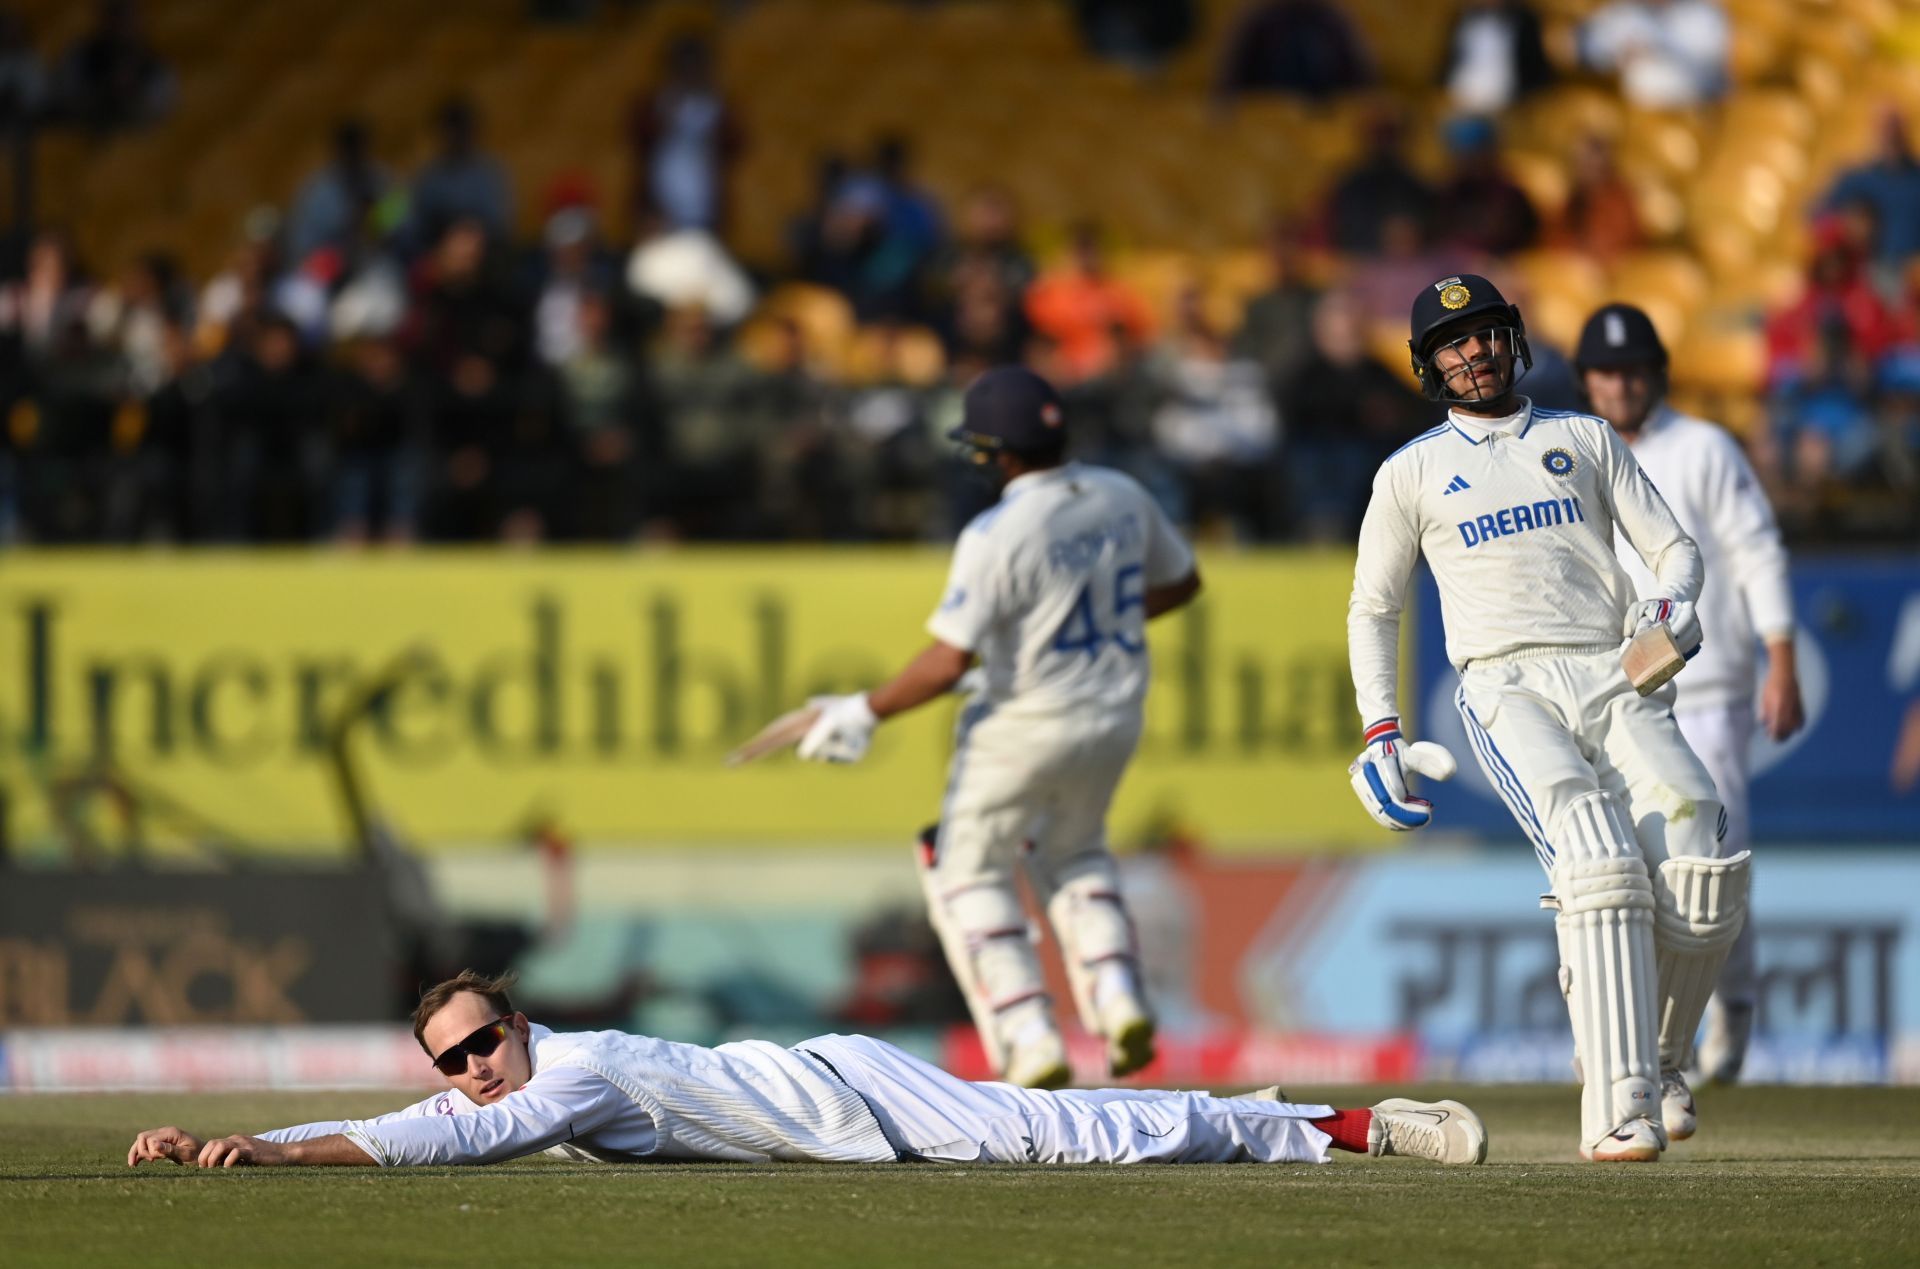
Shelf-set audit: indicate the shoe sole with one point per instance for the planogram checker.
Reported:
(1639, 1154)
(1131, 1048)
(1675, 1135)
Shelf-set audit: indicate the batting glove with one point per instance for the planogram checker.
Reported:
(1381, 784)
(843, 732)
(1676, 614)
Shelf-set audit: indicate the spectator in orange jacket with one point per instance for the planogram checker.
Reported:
(1091, 315)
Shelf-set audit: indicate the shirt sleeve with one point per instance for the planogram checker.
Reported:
(1743, 524)
(970, 604)
(439, 1104)
(1389, 546)
(1169, 558)
(554, 1106)
(1649, 524)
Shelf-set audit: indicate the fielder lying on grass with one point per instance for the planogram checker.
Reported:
(605, 1095)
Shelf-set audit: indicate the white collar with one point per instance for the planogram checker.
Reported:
(1477, 429)
(536, 1035)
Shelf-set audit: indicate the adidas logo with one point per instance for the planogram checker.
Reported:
(1456, 485)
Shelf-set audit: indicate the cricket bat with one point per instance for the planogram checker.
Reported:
(1651, 658)
(788, 729)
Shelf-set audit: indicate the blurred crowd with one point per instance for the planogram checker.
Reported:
(384, 360)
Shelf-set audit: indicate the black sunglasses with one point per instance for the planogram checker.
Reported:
(481, 1043)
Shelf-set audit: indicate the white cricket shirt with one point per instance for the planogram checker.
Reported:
(1516, 517)
(1718, 501)
(610, 1096)
(1048, 588)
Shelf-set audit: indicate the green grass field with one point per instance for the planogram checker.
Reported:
(1777, 1176)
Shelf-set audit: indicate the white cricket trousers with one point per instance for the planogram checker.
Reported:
(929, 1114)
(1028, 791)
(1021, 780)
(1553, 728)
(1722, 736)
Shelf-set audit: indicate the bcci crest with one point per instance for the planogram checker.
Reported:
(1455, 296)
(1558, 462)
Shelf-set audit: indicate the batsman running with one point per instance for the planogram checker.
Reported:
(1050, 590)
(1515, 509)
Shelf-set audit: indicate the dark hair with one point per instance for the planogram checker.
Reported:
(435, 998)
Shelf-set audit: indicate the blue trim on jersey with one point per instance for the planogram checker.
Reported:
(1567, 415)
(1506, 782)
(1427, 435)
(1463, 433)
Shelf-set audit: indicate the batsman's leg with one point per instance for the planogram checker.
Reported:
(1602, 894)
(1722, 737)
(983, 928)
(1076, 879)
(1604, 923)
(1700, 893)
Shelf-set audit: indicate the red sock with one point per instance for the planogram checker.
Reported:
(1348, 1128)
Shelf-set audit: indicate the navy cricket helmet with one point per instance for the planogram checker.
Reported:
(1011, 410)
(1453, 310)
(1617, 336)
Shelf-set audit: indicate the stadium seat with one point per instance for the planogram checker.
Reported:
(1670, 276)
(895, 354)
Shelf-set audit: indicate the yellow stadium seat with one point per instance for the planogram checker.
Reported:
(1767, 112)
(1572, 274)
(895, 354)
(1728, 360)
(1671, 277)
(1543, 176)
(825, 315)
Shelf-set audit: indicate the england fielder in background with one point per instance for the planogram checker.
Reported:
(1051, 589)
(1515, 509)
(1746, 601)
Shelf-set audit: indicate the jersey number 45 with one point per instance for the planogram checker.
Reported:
(1083, 631)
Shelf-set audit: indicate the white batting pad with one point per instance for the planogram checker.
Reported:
(1090, 920)
(1700, 905)
(1605, 929)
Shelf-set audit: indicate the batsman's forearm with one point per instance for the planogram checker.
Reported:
(931, 674)
(334, 1150)
(1164, 599)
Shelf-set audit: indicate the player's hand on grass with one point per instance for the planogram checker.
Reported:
(1676, 614)
(242, 1152)
(843, 731)
(175, 1145)
(1380, 781)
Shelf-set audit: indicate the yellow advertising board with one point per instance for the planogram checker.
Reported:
(601, 688)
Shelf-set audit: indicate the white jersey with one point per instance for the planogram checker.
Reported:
(1048, 588)
(614, 1097)
(1516, 517)
(1718, 500)
(611, 1097)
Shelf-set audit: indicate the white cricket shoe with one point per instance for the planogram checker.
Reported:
(1129, 1031)
(1039, 1063)
(1636, 1141)
(1676, 1106)
(1442, 1132)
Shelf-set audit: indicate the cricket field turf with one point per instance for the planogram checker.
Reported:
(1777, 1176)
